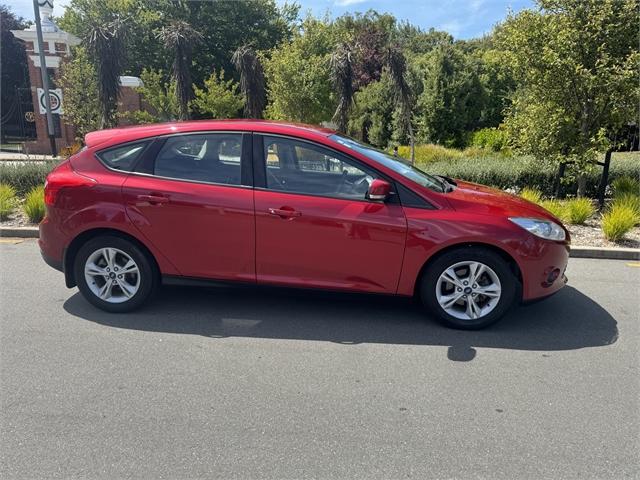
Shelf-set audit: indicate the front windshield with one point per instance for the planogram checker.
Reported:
(394, 163)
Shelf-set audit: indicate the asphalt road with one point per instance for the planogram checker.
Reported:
(246, 383)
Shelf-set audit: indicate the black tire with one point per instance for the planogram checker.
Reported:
(146, 268)
(508, 282)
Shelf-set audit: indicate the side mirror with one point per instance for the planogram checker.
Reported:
(379, 190)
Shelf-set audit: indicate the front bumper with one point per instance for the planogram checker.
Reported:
(543, 273)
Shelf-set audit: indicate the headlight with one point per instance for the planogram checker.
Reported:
(541, 228)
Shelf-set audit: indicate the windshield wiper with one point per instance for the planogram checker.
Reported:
(448, 184)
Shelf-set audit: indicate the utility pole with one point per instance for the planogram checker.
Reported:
(45, 80)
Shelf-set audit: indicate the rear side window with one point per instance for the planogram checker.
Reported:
(123, 157)
(211, 158)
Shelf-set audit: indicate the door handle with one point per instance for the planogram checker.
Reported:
(285, 212)
(153, 199)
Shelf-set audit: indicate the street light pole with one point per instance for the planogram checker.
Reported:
(45, 79)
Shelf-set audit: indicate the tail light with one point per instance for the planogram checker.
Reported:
(63, 176)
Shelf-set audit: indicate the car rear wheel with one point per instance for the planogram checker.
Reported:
(469, 288)
(114, 274)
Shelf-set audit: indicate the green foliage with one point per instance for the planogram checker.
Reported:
(429, 153)
(371, 119)
(34, 204)
(219, 98)
(579, 210)
(495, 139)
(159, 97)
(626, 186)
(618, 221)
(524, 171)
(555, 208)
(531, 194)
(24, 176)
(297, 74)
(80, 84)
(452, 96)
(575, 64)
(7, 200)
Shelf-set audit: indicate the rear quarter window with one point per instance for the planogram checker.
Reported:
(123, 157)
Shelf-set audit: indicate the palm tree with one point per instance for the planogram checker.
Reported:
(397, 65)
(252, 84)
(342, 78)
(180, 37)
(106, 45)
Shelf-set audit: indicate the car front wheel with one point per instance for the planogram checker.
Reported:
(469, 288)
(114, 274)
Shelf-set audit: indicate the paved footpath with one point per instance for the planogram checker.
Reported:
(246, 383)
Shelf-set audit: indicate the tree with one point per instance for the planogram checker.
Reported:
(105, 43)
(403, 95)
(371, 119)
(159, 95)
(219, 98)
(252, 83)
(79, 82)
(576, 64)
(452, 98)
(342, 78)
(180, 37)
(298, 83)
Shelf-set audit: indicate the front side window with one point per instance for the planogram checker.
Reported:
(394, 163)
(301, 167)
(211, 158)
(123, 157)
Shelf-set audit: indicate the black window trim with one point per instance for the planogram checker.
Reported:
(260, 165)
(144, 165)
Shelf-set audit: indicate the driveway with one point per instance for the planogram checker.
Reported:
(265, 383)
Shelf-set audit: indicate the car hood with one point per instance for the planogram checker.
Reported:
(490, 201)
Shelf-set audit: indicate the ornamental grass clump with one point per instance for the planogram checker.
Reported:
(625, 185)
(7, 200)
(531, 194)
(630, 201)
(34, 205)
(578, 210)
(555, 208)
(618, 221)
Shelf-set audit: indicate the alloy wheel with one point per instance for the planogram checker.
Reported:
(112, 275)
(468, 290)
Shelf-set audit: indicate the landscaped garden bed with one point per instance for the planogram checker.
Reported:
(22, 202)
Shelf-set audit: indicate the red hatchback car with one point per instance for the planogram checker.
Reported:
(293, 205)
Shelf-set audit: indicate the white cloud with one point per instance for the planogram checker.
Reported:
(346, 3)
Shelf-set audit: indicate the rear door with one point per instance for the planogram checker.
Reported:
(192, 199)
(314, 225)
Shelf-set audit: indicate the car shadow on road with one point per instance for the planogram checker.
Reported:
(569, 320)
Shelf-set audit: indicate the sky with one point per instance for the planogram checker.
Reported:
(461, 18)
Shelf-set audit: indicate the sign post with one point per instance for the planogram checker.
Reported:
(45, 79)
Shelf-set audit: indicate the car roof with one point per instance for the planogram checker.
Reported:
(132, 133)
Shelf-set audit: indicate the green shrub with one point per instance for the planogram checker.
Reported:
(617, 222)
(7, 200)
(494, 139)
(532, 195)
(34, 204)
(630, 201)
(518, 172)
(24, 176)
(579, 210)
(625, 185)
(555, 208)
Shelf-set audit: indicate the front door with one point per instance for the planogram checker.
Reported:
(315, 226)
(194, 203)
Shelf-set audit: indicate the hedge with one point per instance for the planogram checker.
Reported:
(24, 176)
(520, 172)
